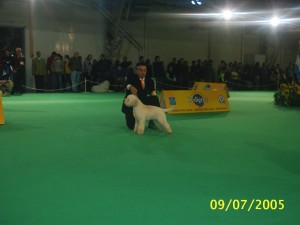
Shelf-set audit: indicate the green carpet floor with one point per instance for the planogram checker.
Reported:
(69, 159)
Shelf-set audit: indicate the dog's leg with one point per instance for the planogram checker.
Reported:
(158, 125)
(141, 126)
(135, 126)
(164, 123)
(168, 128)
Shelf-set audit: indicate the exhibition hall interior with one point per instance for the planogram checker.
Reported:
(211, 136)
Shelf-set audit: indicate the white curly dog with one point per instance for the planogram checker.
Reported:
(143, 112)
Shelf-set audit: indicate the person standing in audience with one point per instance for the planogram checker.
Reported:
(39, 71)
(290, 73)
(7, 65)
(75, 65)
(57, 68)
(130, 69)
(19, 71)
(200, 70)
(124, 63)
(171, 74)
(171, 78)
(180, 74)
(158, 72)
(87, 69)
(193, 70)
(141, 60)
(49, 77)
(149, 68)
(94, 72)
(264, 75)
(103, 68)
(117, 75)
(221, 71)
(66, 79)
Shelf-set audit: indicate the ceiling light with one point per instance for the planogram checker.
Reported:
(275, 21)
(227, 14)
(196, 2)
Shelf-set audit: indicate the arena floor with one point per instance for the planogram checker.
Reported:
(69, 159)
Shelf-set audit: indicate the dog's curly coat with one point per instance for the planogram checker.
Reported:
(143, 112)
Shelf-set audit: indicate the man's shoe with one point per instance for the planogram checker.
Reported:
(152, 125)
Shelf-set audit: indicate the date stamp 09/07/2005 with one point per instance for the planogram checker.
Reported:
(247, 205)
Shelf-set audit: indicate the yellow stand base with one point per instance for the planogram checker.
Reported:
(2, 121)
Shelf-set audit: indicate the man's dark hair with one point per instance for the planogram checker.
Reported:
(140, 64)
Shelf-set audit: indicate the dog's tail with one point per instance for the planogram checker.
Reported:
(168, 110)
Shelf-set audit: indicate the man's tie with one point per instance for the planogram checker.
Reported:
(143, 83)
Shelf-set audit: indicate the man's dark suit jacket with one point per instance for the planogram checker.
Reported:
(143, 94)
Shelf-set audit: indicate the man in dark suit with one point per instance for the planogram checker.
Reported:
(143, 87)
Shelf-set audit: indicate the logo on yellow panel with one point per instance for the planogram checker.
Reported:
(172, 100)
(198, 100)
(207, 87)
(221, 99)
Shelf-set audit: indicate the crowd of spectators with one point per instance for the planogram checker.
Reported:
(178, 74)
(64, 73)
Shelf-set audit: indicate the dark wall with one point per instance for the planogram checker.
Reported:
(11, 37)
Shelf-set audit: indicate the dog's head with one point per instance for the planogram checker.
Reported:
(106, 83)
(131, 100)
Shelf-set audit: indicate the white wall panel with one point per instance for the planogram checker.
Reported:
(59, 27)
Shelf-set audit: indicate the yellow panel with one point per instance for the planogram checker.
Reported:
(211, 86)
(2, 121)
(195, 101)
